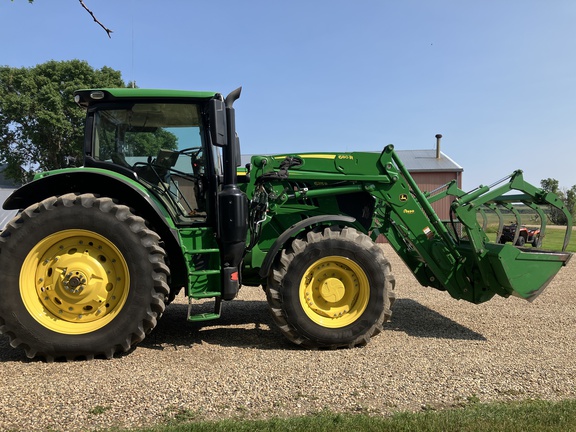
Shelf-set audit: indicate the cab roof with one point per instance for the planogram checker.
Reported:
(86, 97)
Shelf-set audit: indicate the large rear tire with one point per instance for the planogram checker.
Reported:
(331, 289)
(82, 277)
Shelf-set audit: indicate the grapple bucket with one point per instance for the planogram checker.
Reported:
(460, 255)
(523, 272)
(462, 258)
(511, 269)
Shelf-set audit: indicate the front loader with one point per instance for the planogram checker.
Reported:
(160, 205)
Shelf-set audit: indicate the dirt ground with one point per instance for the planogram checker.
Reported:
(436, 352)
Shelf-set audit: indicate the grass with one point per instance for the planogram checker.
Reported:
(553, 239)
(527, 416)
(554, 234)
(98, 409)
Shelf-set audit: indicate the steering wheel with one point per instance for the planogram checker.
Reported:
(192, 151)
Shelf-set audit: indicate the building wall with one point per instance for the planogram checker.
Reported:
(429, 181)
(6, 188)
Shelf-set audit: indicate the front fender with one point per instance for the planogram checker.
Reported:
(106, 183)
(297, 227)
(59, 182)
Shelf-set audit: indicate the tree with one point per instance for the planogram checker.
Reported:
(106, 29)
(41, 127)
(567, 196)
(139, 143)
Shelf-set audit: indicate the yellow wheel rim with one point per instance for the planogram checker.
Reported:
(334, 292)
(74, 282)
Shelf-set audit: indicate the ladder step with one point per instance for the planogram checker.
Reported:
(204, 251)
(203, 317)
(206, 294)
(204, 272)
(207, 316)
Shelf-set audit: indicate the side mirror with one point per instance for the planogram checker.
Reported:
(218, 129)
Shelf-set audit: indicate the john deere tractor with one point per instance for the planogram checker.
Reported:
(160, 205)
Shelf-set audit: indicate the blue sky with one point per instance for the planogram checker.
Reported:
(497, 78)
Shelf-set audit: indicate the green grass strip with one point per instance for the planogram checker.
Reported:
(527, 416)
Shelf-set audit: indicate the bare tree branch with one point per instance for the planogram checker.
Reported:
(106, 29)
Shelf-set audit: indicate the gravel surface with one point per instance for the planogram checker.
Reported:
(437, 352)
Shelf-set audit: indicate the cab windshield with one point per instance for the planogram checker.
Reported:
(134, 134)
(163, 144)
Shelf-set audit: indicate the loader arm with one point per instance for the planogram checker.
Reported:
(472, 267)
(459, 258)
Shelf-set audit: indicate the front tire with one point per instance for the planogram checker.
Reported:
(331, 289)
(83, 277)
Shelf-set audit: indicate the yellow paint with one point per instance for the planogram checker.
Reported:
(309, 156)
(74, 282)
(334, 292)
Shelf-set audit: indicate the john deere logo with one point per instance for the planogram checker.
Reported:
(403, 197)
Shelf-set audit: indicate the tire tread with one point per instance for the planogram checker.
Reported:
(148, 239)
(298, 246)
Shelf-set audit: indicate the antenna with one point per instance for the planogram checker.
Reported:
(133, 80)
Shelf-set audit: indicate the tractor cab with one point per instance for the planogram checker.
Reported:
(182, 147)
(162, 144)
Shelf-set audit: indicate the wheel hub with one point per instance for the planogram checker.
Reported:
(74, 282)
(334, 291)
(81, 281)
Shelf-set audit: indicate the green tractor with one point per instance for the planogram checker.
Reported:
(96, 253)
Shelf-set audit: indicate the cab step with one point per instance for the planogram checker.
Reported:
(206, 316)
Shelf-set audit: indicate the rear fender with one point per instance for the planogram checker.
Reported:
(104, 183)
(294, 229)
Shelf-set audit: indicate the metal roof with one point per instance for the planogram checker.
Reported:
(425, 160)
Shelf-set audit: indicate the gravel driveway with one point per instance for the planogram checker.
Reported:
(436, 352)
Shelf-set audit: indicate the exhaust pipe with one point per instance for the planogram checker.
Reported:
(438, 138)
(231, 151)
(232, 209)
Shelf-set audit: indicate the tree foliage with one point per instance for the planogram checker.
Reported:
(151, 143)
(567, 196)
(136, 143)
(41, 127)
